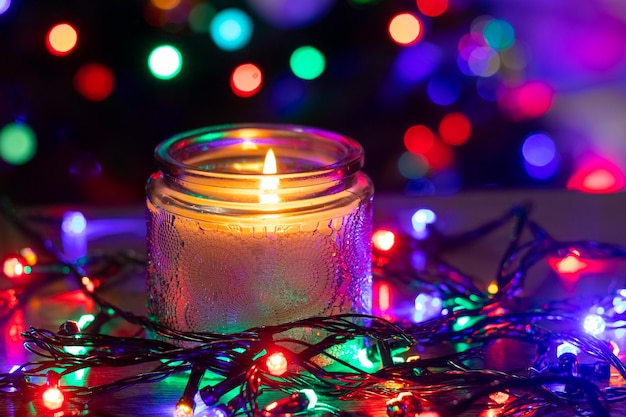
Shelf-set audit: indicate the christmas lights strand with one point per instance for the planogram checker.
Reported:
(442, 382)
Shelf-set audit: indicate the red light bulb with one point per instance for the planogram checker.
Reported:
(53, 398)
(13, 267)
(276, 363)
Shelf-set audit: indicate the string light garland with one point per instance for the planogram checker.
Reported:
(322, 365)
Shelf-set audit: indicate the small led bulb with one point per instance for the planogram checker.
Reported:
(14, 267)
(594, 324)
(183, 410)
(29, 256)
(276, 363)
(69, 328)
(383, 240)
(74, 223)
(52, 397)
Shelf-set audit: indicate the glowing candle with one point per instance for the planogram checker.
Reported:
(253, 225)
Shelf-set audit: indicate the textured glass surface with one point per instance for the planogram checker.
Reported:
(205, 276)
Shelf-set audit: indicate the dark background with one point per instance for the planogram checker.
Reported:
(101, 152)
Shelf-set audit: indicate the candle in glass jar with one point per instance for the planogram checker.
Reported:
(252, 225)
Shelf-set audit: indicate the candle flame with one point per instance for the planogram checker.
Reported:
(269, 184)
(269, 166)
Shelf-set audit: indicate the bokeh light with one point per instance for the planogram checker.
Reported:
(61, 39)
(288, 94)
(530, 100)
(307, 62)
(94, 81)
(432, 8)
(18, 143)
(594, 324)
(405, 29)
(499, 34)
(246, 80)
(538, 149)
(4, 5)
(412, 166)
(443, 89)
(416, 62)
(74, 223)
(455, 129)
(597, 177)
(200, 17)
(440, 156)
(418, 139)
(13, 267)
(231, 29)
(489, 88)
(420, 220)
(543, 172)
(290, 14)
(165, 4)
(427, 306)
(383, 240)
(484, 61)
(165, 62)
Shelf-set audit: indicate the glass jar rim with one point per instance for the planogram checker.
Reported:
(348, 157)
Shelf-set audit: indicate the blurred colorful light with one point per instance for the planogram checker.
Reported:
(405, 29)
(440, 156)
(538, 149)
(412, 166)
(246, 80)
(74, 223)
(61, 39)
(597, 177)
(4, 5)
(543, 172)
(307, 62)
(594, 324)
(432, 8)
(484, 61)
(427, 307)
(165, 4)
(383, 240)
(200, 17)
(499, 34)
(418, 139)
(570, 264)
(488, 88)
(29, 256)
(567, 347)
(94, 81)
(165, 62)
(416, 62)
(384, 297)
(231, 29)
(420, 220)
(290, 14)
(288, 93)
(443, 90)
(530, 100)
(13, 267)
(455, 129)
(468, 43)
(423, 216)
(18, 143)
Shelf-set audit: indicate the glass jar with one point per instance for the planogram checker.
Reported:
(235, 242)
